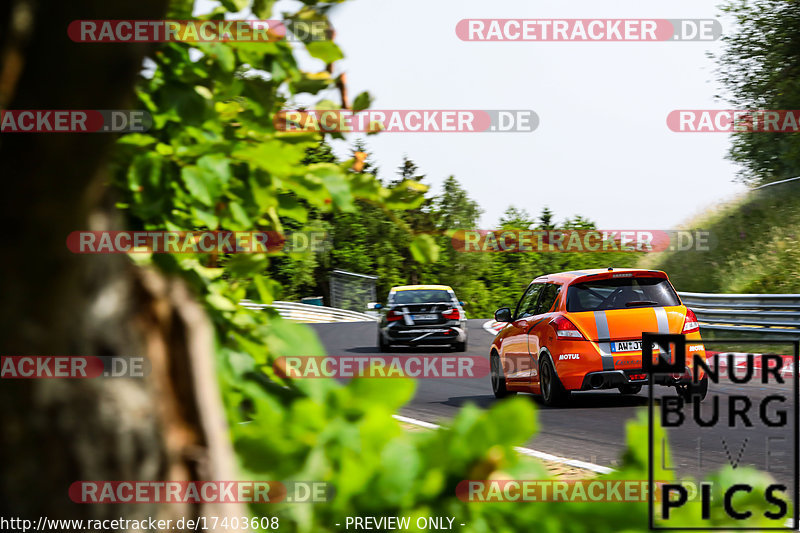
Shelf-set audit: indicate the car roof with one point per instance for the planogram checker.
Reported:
(421, 287)
(572, 275)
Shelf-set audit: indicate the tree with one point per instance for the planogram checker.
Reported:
(514, 218)
(319, 153)
(546, 220)
(408, 170)
(760, 69)
(58, 431)
(361, 153)
(418, 219)
(454, 210)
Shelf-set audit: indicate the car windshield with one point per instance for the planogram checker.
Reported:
(621, 293)
(421, 296)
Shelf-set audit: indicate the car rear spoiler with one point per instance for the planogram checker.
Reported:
(612, 274)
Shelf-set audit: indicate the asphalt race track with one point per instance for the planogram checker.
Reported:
(592, 426)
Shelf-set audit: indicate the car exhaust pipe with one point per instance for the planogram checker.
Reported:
(596, 381)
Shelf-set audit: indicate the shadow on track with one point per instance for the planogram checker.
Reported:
(400, 350)
(581, 400)
(584, 400)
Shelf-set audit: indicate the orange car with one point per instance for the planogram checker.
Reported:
(582, 330)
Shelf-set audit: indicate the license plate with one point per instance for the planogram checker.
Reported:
(630, 346)
(428, 316)
(626, 346)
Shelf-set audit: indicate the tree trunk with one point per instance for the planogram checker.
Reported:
(168, 425)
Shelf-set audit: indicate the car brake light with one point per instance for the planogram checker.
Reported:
(452, 314)
(393, 315)
(565, 329)
(690, 325)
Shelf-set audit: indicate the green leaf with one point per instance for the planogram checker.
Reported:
(262, 8)
(327, 51)
(424, 249)
(235, 5)
(336, 184)
(137, 139)
(197, 182)
(239, 215)
(276, 157)
(290, 207)
(206, 217)
(362, 101)
(216, 164)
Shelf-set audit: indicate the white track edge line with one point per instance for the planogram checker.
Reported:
(487, 326)
(523, 451)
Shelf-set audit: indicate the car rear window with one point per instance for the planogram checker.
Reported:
(620, 293)
(421, 296)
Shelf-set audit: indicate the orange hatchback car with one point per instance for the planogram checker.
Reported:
(582, 330)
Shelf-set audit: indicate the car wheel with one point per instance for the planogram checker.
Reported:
(383, 345)
(460, 346)
(630, 389)
(498, 378)
(552, 391)
(693, 391)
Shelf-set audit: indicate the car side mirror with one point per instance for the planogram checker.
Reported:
(378, 306)
(462, 303)
(503, 315)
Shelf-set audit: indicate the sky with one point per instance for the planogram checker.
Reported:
(602, 149)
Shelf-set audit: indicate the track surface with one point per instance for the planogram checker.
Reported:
(592, 427)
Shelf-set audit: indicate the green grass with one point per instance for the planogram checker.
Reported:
(756, 246)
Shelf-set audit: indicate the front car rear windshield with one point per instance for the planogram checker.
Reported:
(421, 296)
(620, 293)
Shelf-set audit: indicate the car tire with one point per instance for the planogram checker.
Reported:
(630, 389)
(694, 391)
(498, 378)
(383, 346)
(550, 387)
(460, 346)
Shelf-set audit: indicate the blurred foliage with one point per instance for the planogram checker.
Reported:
(755, 246)
(760, 69)
(214, 160)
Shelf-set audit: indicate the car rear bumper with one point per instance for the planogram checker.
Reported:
(414, 336)
(611, 379)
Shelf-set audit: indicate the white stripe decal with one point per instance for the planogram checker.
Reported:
(603, 338)
(661, 319)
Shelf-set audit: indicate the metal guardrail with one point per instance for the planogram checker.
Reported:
(767, 314)
(310, 313)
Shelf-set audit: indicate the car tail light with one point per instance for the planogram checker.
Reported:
(565, 329)
(452, 314)
(393, 315)
(690, 325)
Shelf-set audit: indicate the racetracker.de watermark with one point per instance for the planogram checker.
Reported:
(581, 241)
(589, 30)
(382, 366)
(74, 121)
(196, 242)
(72, 367)
(407, 120)
(196, 31)
(548, 490)
(110, 492)
(731, 120)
